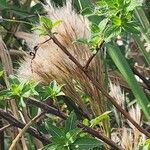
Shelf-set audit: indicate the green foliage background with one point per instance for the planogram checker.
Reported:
(111, 20)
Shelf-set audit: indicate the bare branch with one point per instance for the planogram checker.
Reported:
(92, 56)
(87, 129)
(26, 127)
(100, 87)
(5, 127)
(16, 123)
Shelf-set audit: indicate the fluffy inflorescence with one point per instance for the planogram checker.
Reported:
(50, 63)
(49, 57)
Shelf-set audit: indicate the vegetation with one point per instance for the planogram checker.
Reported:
(100, 104)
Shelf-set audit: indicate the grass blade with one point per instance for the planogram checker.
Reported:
(121, 63)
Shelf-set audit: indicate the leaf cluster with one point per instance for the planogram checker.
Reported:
(68, 138)
(22, 89)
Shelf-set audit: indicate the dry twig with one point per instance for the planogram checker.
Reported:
(16, 123)
(14, 142)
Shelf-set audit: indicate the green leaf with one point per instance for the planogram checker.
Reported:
(16, 90)
(145, 147)
(57, 23)
(116, 21)
(81, 5)
(72, 135)
(1, 73)
(131, 28)
(98, 119)
(102, 24)
(60, 141)
(147, 142)
(54, 131)
(40, 30)
(142, 18)
(3, 4)
(86, 143)
(71, 122)
(22, 103)
(53, 90)
(46, 25)
(111, 3)
(82, 41)
(54, 147)
(13, 80)
(95, 28)
(95, 41)
(4, 94)
(133, 4)
(111, 32)
(50, 147)
(86, 122)
(29, 93)
(37, 8)
(46, 22)
(120, 61)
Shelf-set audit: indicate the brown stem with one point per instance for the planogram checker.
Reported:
(5, 127)
(92, 56)
(146, 82)
(56, 112)
(1, 135)
(100, 136)
(16, 123)
(45, 107)
(89, 61)
(25, 128)
(99, 86)
(87, 129)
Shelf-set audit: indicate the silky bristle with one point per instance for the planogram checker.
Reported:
(50, 63)
(49, 55)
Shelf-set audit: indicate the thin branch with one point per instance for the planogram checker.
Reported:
(146, 82)
(2, 145)
(14, 142)
(55, 112)
(16, 123)
(92, 56)
(100, 87)
(89, 60)
(5, 127)
(45, 107)
(100, 136)
(87, 129)
(33, 54)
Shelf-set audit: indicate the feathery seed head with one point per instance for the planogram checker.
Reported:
(51, 63)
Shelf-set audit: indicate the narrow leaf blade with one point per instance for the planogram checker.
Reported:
(85, 143)
(71, 122)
